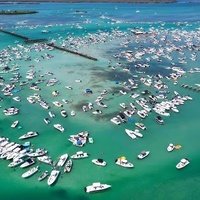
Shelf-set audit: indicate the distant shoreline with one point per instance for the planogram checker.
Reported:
(17, 12)
(85, 1)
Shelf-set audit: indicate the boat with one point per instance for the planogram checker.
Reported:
(159, 120)
(63, 113)
(183, 163)
(115, 120)
(140, 125)
(29, 134)
(53, 176)
(130, 133)
(16, 162)
(137, 133)
(96, 187)
(99, 162)
(143, 154)
(122, 161)
(178, 146)
(45, 159)
(170, 147)
(14, 124)
(43, 176)
(59, 127)
(30, 172)
(90, 139)
(47, 121)
(51, 114)
(68, 166)
(73, 113)
(28, 163)
(62, 160)
(79, 154)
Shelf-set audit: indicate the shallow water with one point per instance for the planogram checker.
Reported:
(156, 176)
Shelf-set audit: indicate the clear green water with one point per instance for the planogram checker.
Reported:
(153, 178)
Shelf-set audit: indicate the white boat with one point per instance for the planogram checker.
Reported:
(137, 133)
(140, 125)
(47, 121)
(45, 159)
(62, 160)
(28, 163)
(58, 104)
(99, 162)
(183, 163)
(59, 127)
(170, 147)
(122, 161)
(43, 176)
(143, 154)
(30, 172)
(14, 124)
(68, 166)
(115, 120)
(63, 113)
(51, 114)
(16, 162)
(79, 154)
(53, 177)
(90, 139)
(29, 134)
(96, 187)
(130, 133)
(73, 113)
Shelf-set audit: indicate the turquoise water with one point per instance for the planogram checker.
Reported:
(154, 177)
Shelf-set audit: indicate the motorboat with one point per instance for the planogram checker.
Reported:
(39, 152)
(58, 104)
(183, 163)
(53, 176)
(115, 120)
(15, 124)
(63, 113)
(51, 114)
(68, 166)
(137, 133)
(80, 154)
(122, 161)
(62, 160)
(170, 147)
(140, 125)
(29, 134)
(96, 187)
(72, 113)
(130, 133)
(27, 163)
(16, 162)
(30, 172)
(99, 162)
(45, 159)
(43, 176)
(47, 121)
(59, 127)
(159, 119)
(143, 154)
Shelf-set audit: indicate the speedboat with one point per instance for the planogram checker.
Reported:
(99, 162)
(79, 154)
(143, 154)
(63, 113)
(73, 113)
(51, 114)
(115, 120)
(53, 176)
(140, 125)
(122, 161)
(47, 121)
(68, 166)
(137, 133)
(59, 127)
(16, 162)
(58, 104)
(45, 159)
(95, 187)
(14, 124)
(62, 160)
(43, 176)
(159, 120)
(30, 172)
(28, 163)
(183, 163)
(170, 147)
(130, 133)
(39, 152)
(29, 134)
